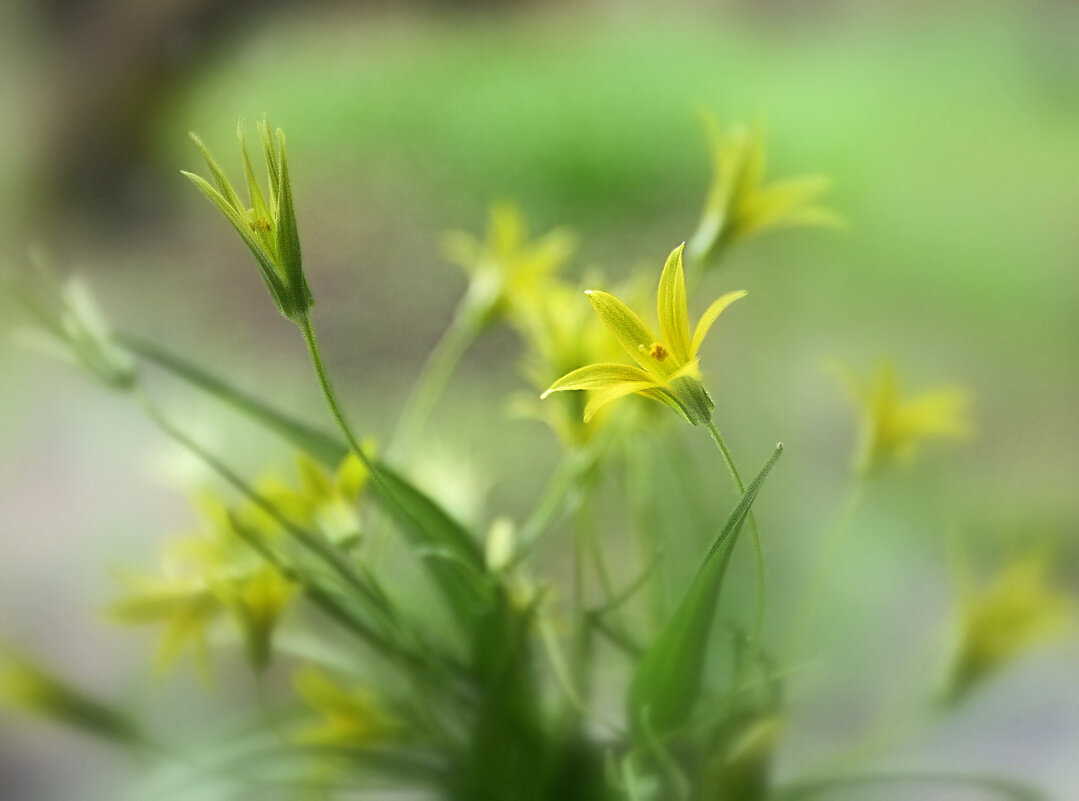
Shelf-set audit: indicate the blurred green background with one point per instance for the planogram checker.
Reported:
(952, 133)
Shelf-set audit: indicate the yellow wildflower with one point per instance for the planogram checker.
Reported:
(508, 270)
(562, 335)
(1016, 611)
(668, 370)
(893, 427)
(349, 715)
(202, 576)
(741, 205)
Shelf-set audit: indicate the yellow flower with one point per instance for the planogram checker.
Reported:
(1015, 612)
(266, 223)
(203, 576)
(741, 205)
(349, 715)
(893, 427)
(508, 270)
(668, 370)
(325, 503)
(562, 335)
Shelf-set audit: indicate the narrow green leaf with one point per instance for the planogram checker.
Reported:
(666, 683)
(34, 689)
(994, 786)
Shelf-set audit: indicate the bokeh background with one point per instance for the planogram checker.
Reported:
(951, 130)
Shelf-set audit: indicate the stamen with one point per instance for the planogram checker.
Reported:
(657, 352)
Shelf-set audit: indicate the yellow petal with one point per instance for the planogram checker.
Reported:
(709, 317)
(614, 392)
(628, 328)
(671, 304)
(599, 376)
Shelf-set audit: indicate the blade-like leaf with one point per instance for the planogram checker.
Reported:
(994, 786)
(666, 683)
(31, 687)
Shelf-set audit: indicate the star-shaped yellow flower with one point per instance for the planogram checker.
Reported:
(893, 426)
(668, 369)
(742, 203)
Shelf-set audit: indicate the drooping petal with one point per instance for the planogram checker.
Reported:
(628, 328)
(671, 305)
(709, 317)
(599, 376)
(224, 188)
(602, 397)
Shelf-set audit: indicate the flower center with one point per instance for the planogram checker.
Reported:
(257, 223)
(657, 352)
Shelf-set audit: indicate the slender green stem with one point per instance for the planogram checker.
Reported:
(806, 606)
(758, 550)
(330, 396)
(435, 376)
(563, 493)
(641, 486)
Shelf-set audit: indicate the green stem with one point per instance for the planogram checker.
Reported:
(806, 606)
(758, 550)
(331, 397)
(641, 486)
(435, 376)
(563, 493)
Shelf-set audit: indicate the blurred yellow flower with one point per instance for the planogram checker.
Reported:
(215, 571)
(1018, 610)
(741, 205)
(348, 715)
(561, 335)
(893, 427)
(508, 270)
(202, 576)
(325, 503)
(669, 370)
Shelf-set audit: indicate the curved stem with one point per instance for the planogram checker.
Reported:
(330, 396)
(758, 550)
(433, 379)
(825, 557)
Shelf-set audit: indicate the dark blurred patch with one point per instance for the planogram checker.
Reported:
(120, 63)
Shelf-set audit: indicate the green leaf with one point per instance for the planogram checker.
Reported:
(424, 522)
(993, 786)
(667, 681)
(30, 687)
